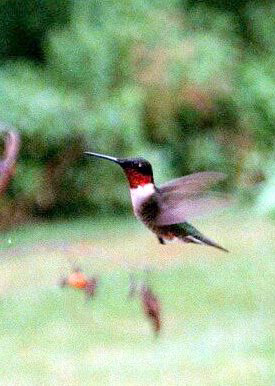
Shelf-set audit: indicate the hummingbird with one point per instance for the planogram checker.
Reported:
(165, 209)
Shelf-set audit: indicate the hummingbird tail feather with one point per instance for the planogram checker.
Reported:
(203, 240)
(192, 235)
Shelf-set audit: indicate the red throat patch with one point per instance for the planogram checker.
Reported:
(137, 179)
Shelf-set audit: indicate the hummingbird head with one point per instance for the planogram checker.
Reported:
(138, 170)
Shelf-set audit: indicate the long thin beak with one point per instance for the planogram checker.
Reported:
(103, 156)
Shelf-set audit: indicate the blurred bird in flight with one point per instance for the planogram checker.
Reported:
(165, 209)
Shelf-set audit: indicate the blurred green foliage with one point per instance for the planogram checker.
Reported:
(189, 85)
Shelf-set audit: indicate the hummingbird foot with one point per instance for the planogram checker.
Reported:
(161, 240)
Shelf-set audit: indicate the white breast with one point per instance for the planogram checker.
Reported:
(141, 194)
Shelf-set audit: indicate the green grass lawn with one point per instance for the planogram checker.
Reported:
(217, 308)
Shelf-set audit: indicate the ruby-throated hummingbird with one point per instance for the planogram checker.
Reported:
(164, 209)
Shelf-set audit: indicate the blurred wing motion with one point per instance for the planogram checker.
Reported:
(182, 198)
(192, 184)
(185, 209)
(12, 145)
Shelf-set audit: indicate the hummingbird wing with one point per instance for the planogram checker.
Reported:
(178, 211)
(182, 198)
(191, 184)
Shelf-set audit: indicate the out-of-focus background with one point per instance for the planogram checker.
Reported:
(188, 85)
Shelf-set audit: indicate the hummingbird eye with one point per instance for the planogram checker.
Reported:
(139, 164)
